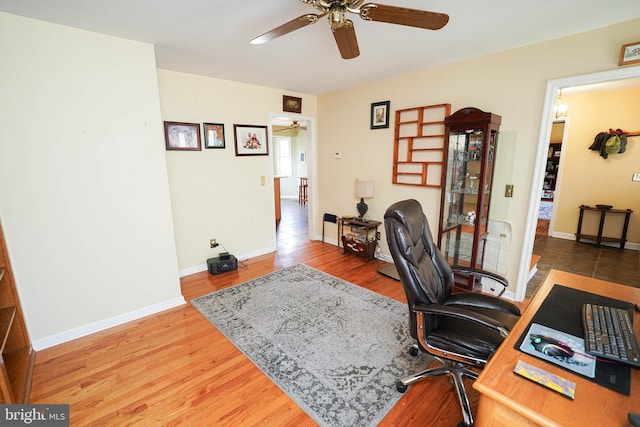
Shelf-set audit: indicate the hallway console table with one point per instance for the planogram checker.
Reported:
(599, 238)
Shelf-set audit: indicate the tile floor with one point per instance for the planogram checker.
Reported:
(292, 229)
(606, 263)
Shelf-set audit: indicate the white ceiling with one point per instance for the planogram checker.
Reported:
(211, 37)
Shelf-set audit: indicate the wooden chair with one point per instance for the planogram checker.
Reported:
(302, 191)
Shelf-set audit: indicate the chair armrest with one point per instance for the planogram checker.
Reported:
(461, 313)
(481, 301)
(470, 271)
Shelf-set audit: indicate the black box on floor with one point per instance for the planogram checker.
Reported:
(217, 265)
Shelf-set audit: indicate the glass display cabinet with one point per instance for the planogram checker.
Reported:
(471, 138)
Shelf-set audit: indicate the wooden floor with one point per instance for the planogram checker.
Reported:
(175, 368)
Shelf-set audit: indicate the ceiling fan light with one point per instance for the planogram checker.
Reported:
(337, 19)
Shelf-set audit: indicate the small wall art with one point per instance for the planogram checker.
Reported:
(629, 53)
(213, 135)
(182, 136)
(380, 115)
(251, 140)
(291, 104)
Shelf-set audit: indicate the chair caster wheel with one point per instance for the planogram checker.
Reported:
(413, 351)
(401, 387)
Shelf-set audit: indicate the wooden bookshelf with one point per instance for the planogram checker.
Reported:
(17, 356)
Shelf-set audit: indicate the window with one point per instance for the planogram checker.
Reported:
(283, 156)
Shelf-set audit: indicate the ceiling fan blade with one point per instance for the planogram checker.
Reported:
(346, 40)
(294, 24)
(403, 16)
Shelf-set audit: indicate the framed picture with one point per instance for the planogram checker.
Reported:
(380, 115)
(629, 54)
(291, 104)
(251, 140)
(182, 136)
(213, 135)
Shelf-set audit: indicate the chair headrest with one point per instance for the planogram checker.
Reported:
(409, 213)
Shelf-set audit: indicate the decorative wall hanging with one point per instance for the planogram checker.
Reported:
(629, 54)
(213, 135)
(419, 144)
(291, 104)
(182, 136)
(380, 115)
(251, 140)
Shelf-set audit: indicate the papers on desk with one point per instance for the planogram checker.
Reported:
(580, 363)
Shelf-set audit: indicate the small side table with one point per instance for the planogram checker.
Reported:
(362, 237)
(599, 239)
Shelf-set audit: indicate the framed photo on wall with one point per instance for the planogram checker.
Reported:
(291, 104)
(380, 115)
(251, 140)
(182, 136)
(629, 54)
(213, 135)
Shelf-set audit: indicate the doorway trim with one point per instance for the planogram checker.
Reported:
(311, 168)
(551, 92)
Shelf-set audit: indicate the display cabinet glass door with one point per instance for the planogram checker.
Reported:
(466, 197)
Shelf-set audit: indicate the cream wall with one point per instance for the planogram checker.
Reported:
(83, 196)
(511, 84)
(214, 193)
(589, 179)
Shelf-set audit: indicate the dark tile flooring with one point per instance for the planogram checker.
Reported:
(605, 263)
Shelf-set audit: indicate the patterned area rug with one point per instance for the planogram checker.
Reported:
(545, 210)
(335, 348)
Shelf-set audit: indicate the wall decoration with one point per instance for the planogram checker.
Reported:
(251, 140)
(291, 104)
(419, 145)
(182, 136)
(380, 115)
(629, 54)
(213, 135)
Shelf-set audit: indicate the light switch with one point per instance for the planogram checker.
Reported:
(262, 182)
(636, 177)
(508, 190)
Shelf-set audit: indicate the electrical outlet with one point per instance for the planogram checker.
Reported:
(636, 177)
(212, 243)
(337, 155)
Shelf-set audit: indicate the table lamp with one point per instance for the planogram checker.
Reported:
(363, 190)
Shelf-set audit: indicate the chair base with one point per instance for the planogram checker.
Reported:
(457, 372)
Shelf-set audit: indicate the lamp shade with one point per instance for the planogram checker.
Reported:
(364, 189)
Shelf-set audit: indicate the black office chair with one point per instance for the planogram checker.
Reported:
(458, 330)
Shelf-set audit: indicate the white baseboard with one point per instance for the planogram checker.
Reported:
(569, 236)
(101, 325)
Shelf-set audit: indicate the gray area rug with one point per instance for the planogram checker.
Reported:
(335, 348)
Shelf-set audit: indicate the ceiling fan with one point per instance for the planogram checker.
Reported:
(342, 28)
(293, 127)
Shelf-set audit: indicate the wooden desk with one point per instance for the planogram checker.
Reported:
(509, 400)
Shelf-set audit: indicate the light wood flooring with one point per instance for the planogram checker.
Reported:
(175, 368)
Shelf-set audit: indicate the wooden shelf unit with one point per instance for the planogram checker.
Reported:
(17, 356)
